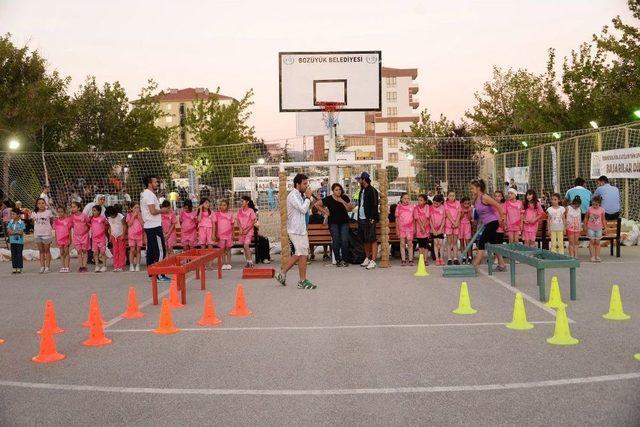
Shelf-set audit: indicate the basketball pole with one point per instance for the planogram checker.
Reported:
(333, 170)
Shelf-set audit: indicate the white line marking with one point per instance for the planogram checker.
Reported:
(328, 392)
(531, 299)
(316, 328)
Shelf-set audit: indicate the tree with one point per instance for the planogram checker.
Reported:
(392, 173)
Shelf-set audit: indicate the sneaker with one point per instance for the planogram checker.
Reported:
(42, 268)
(264, 261)
(500, 268)
(371, 265)
(464, 261)
(19, 270)
(282, 279)
(598, 259)
(338, 264)
(403, 263)
(97, 270)
(15, 270)
(132, 267)
(411, 263)
(449, 262)
(365, 263)
(163, 278)
(306, 284)
(117, 270)
(344, 263)
(46, 270)
(456, 262)
(103, 269)
(137, 267)
(326, 257)
(593, 259)
(229, 267)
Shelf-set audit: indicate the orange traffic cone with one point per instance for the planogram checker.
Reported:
(241, 308)
(133, 311)
(93, 302)
(166, 325)
(48, 352)
(209, 317)
(1, 341)
(96, 329)
(174, 296)
(50, 323)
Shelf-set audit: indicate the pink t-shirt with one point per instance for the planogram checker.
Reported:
(168, 219)
(62, 227)
(135, 228)
(80, 224)
(404, 216)
(513, 211)
(98, 227)
(421, 214)
(532, 213)
(42, 224)
(207, 219)
(437, 218)
(595, 218)
(188, 221)
(224, 222)
(245, 218)
(453, 210)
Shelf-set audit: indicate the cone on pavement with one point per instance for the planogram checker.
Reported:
(519, 321)
(133, 311)
(422, 268)
(93, 302)
(96, 329)
(616, 312)
(209, 317)
(48, 352)
(555, 298)
(240, 309)
(174, 296)
(464, 302)
(50, 323)
(165, 326)
(1, 341)
(561, 332)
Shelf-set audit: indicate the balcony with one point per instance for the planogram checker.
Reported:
(414, 102)
(414, 88)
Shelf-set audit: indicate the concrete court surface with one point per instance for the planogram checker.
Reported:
(366, 348)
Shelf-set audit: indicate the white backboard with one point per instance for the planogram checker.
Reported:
(308, 79)
(312, 123)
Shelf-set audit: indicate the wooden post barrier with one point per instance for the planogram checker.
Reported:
(384, 217)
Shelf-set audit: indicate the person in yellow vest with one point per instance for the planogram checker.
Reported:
(173, 199)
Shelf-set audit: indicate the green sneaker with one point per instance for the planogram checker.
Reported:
(306, 284)
(282, 279)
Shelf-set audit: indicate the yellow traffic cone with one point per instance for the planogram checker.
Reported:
(464, 302)
(636, 356)
(562, 333)
(615, 306)
(519, 322)
(555, 298)
(422, 269)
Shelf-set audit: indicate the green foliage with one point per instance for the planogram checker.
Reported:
(392, 173)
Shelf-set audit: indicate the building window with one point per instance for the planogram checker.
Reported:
(393, 157)
(392, 111)
(393, 142)
(391, 82)
(168, 119)
(370, 126)
(168, 107)
(392, 96)
(392, 127)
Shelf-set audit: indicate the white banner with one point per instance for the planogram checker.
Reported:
(518, 176)
(263, 183)
(554, 170)
(622, 163)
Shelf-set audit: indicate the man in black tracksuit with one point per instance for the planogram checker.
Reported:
(368, 216)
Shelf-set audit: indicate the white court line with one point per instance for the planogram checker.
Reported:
(321, 392)
(319, 328)
(513, 289)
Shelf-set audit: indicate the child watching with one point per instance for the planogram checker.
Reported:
(62, 226)
(421, 218)
(188, 226)
(513, 216)
(224, 228)
(574, 225)
(594, 222)
(169, 221)
(405, 228)
(451, 228)
(99, 226)
(464, 233)
(117, 236)
(556, 224)
(206, 221)
(15, 230)
(43, 232)
(246, 219)
(531, 215)
(80, 235)
(437, 217)
(135, 233)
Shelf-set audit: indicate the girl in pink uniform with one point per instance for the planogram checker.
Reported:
(499, 197)
(99, 226)
(188, 226)
(437, 217)
(224, 229)
(206, 222)
(513, 214)
(135, 233)
(421, 220)
(169, 221)
(531, 214)
(404, 228)
(451, 227)
(80, 235)
(246, 219)
(464, 232)
(62, 228)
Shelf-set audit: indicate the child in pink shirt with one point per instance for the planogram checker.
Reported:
(421, 220)
(451, 226)
(464, 232)
(206, 222)
(404, 228)
(169, 221)
(62, 228)
(99, 226)
(188, 226)
(117, 237)
(246, 219)
(531, 214)
(80, 235)
(437, 216)
(224, 228)
(594, 222)
(135, 233)
(513, 214)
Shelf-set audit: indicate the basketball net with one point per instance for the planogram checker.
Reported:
(330, 113)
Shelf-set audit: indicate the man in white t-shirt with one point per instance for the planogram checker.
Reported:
(150, 210)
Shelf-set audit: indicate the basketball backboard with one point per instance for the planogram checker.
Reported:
(309, 80)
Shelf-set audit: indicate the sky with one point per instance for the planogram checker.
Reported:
(234, 45)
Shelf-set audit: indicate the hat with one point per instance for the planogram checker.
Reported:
(364, 175)
(512, 190)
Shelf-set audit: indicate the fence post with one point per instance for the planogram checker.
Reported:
(576, 158)
(446, 173)
(626, 180)
(384, 217)
(541, 167)
(282, 201)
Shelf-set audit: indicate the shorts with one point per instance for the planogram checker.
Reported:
(450, 231)
(43, 239)
(189, 238)
(204, 236)
(490, 235)
(99, 245)
(407, 234)
(423, 242)
(594, 234)
(438, 236)
(300, 243)
(367, 230)
(529, 235)
(62, 243)
(81, 243)
(246, 239)
(573, 232)
(225, 243)
(135, 241)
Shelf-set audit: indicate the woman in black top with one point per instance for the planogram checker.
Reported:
(339, 207)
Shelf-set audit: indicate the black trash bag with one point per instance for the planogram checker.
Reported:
(355, 255)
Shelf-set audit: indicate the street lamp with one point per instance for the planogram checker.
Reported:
(410, 157)
(495, 150)
(14, 144)
(637, 113)
(525, 144)
(261, 161)
(556, 135)
(593, 124)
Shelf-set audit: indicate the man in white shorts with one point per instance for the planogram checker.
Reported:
(298, 203)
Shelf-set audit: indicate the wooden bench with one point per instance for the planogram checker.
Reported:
(236, 237)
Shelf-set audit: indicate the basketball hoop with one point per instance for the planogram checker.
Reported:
(330, 113)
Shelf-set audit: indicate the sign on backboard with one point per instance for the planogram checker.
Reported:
(310, 79)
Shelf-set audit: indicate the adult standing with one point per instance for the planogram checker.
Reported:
(339, 206)
(578, 189)
(610, 198)
(490, 213)
(368, 216)
(298, 202)
(150, 210)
